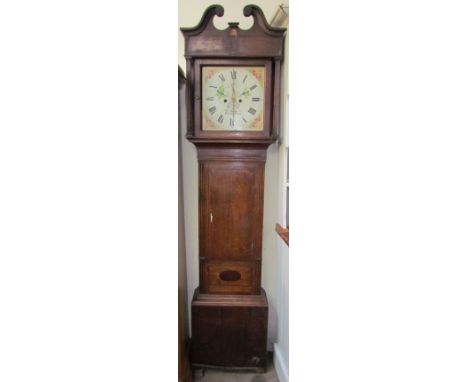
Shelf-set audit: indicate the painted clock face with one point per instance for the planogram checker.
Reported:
(233, 98)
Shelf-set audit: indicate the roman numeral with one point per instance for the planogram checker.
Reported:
(255, 99)
(214, 87)
(222, 77)
(253, 87)
(210, 99)
(231, 122)
(252, 111)
(220, 119)
(212, 110)
(245, 121)
(233, 74)
(244, 78)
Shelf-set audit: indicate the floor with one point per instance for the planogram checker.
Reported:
(214, 375)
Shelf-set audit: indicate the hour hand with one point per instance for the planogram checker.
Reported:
(233, 92)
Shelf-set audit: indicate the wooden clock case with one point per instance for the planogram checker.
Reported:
(230, 309)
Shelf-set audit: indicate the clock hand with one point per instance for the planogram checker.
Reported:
(233, 98)
(233, 94)
(245, 93)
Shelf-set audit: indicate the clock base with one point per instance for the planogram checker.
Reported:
(229, 331)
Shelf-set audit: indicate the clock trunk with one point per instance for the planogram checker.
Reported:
(231, 218)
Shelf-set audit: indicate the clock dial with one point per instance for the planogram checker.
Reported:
(233, 97)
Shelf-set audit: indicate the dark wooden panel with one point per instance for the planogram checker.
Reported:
(229, 331)
(212, 282)
(261, 40)
(184, 370)
(231, 209)
(230, 275)
(207, 330)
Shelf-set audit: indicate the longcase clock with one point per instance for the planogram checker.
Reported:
(233, 104)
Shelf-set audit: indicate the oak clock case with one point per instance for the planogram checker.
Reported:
(233, 94)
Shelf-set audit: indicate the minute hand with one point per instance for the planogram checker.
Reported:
(233, 99)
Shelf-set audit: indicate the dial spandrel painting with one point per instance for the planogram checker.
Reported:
(233, 98)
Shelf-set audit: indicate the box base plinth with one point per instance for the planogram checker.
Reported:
(229, 331)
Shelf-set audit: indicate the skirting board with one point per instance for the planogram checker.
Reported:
(280, 365)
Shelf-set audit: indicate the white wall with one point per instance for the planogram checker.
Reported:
(281, 346)
(189, 15)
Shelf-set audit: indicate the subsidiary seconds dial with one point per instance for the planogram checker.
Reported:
(233, 98)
